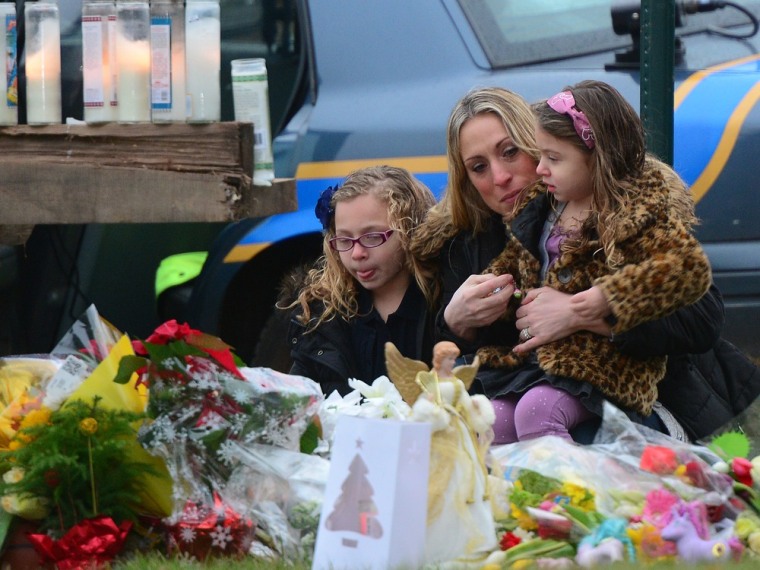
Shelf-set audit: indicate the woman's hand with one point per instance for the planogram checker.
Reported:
(590, 305)
(477, 303)
(551, 315)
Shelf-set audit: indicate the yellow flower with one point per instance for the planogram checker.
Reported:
(753, 541)
(88, 426)
(13, 475)
(744, 527)
(579, 496)
(28, 507)
(523, 519)
(40, 416)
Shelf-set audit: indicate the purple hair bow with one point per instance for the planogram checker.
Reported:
(564, 103)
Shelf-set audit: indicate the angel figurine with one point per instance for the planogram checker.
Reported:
(460, 520)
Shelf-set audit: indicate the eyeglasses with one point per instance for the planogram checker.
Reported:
(369, 240)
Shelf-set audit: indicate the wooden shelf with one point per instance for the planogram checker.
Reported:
(142, 173)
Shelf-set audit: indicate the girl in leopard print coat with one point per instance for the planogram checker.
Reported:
(598, 226)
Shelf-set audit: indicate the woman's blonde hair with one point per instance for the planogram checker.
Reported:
(408, 201)
(461, 208)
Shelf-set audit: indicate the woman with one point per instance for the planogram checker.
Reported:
(492, 155)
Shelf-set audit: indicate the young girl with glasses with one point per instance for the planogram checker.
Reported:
(366, 289)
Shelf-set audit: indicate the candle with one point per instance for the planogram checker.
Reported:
(167, 77)
(133, 60)
(98, 61)
(250, 97)
(9, 95)
(133, 90)
(43, 63)
(203, 60)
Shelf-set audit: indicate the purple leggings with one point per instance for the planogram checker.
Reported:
(542, 410)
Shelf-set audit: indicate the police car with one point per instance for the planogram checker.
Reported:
(360, 83)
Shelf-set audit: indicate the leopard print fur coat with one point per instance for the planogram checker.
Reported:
(664, 268)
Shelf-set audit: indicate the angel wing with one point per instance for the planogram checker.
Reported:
(403, 373)
(466, 372)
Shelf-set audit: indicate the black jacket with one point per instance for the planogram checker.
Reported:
(328, 354)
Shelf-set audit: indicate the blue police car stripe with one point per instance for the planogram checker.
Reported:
(719, 97)
(281, 226)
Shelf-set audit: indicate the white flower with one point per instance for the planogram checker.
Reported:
(381, 399)
(13, 475)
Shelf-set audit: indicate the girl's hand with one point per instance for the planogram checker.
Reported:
(477, 303)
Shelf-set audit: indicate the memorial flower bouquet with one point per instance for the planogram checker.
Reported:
(71, 463)
(205, 407)
(634, 495)
(69, 471)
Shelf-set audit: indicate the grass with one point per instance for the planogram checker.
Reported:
(158, 562)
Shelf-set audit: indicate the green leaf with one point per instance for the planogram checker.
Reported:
(539, 548)
(730, 445)
(128, 365)
(310, 439)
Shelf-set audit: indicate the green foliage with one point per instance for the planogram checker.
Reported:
(310, 438)
(532, 489)
(81, 469)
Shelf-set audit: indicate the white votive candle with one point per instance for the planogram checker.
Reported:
(43, 64)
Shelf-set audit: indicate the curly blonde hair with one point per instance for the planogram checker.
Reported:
(329, 282)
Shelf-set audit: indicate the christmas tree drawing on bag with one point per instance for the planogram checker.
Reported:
(354, 509)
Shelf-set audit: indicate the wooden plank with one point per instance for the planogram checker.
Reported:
(62, 174)
(65, 194)
(180, 147)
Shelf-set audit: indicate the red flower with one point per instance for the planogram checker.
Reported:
(741, 469)
(509, 540)
(696, 474)
(164, 334)
(659, 460)
(89, 543)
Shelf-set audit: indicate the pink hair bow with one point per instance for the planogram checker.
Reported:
(564, 103)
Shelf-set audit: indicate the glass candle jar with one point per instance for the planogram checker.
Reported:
(99, 60)
(250, 96)
(167, 67)
(203, 60)
(133, 61)
(43, 63)
(8, 36)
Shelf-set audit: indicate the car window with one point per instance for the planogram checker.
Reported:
(516, 32)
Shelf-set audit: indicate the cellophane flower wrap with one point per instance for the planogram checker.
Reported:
(553, 498)
(205, 408)
(48, 393)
